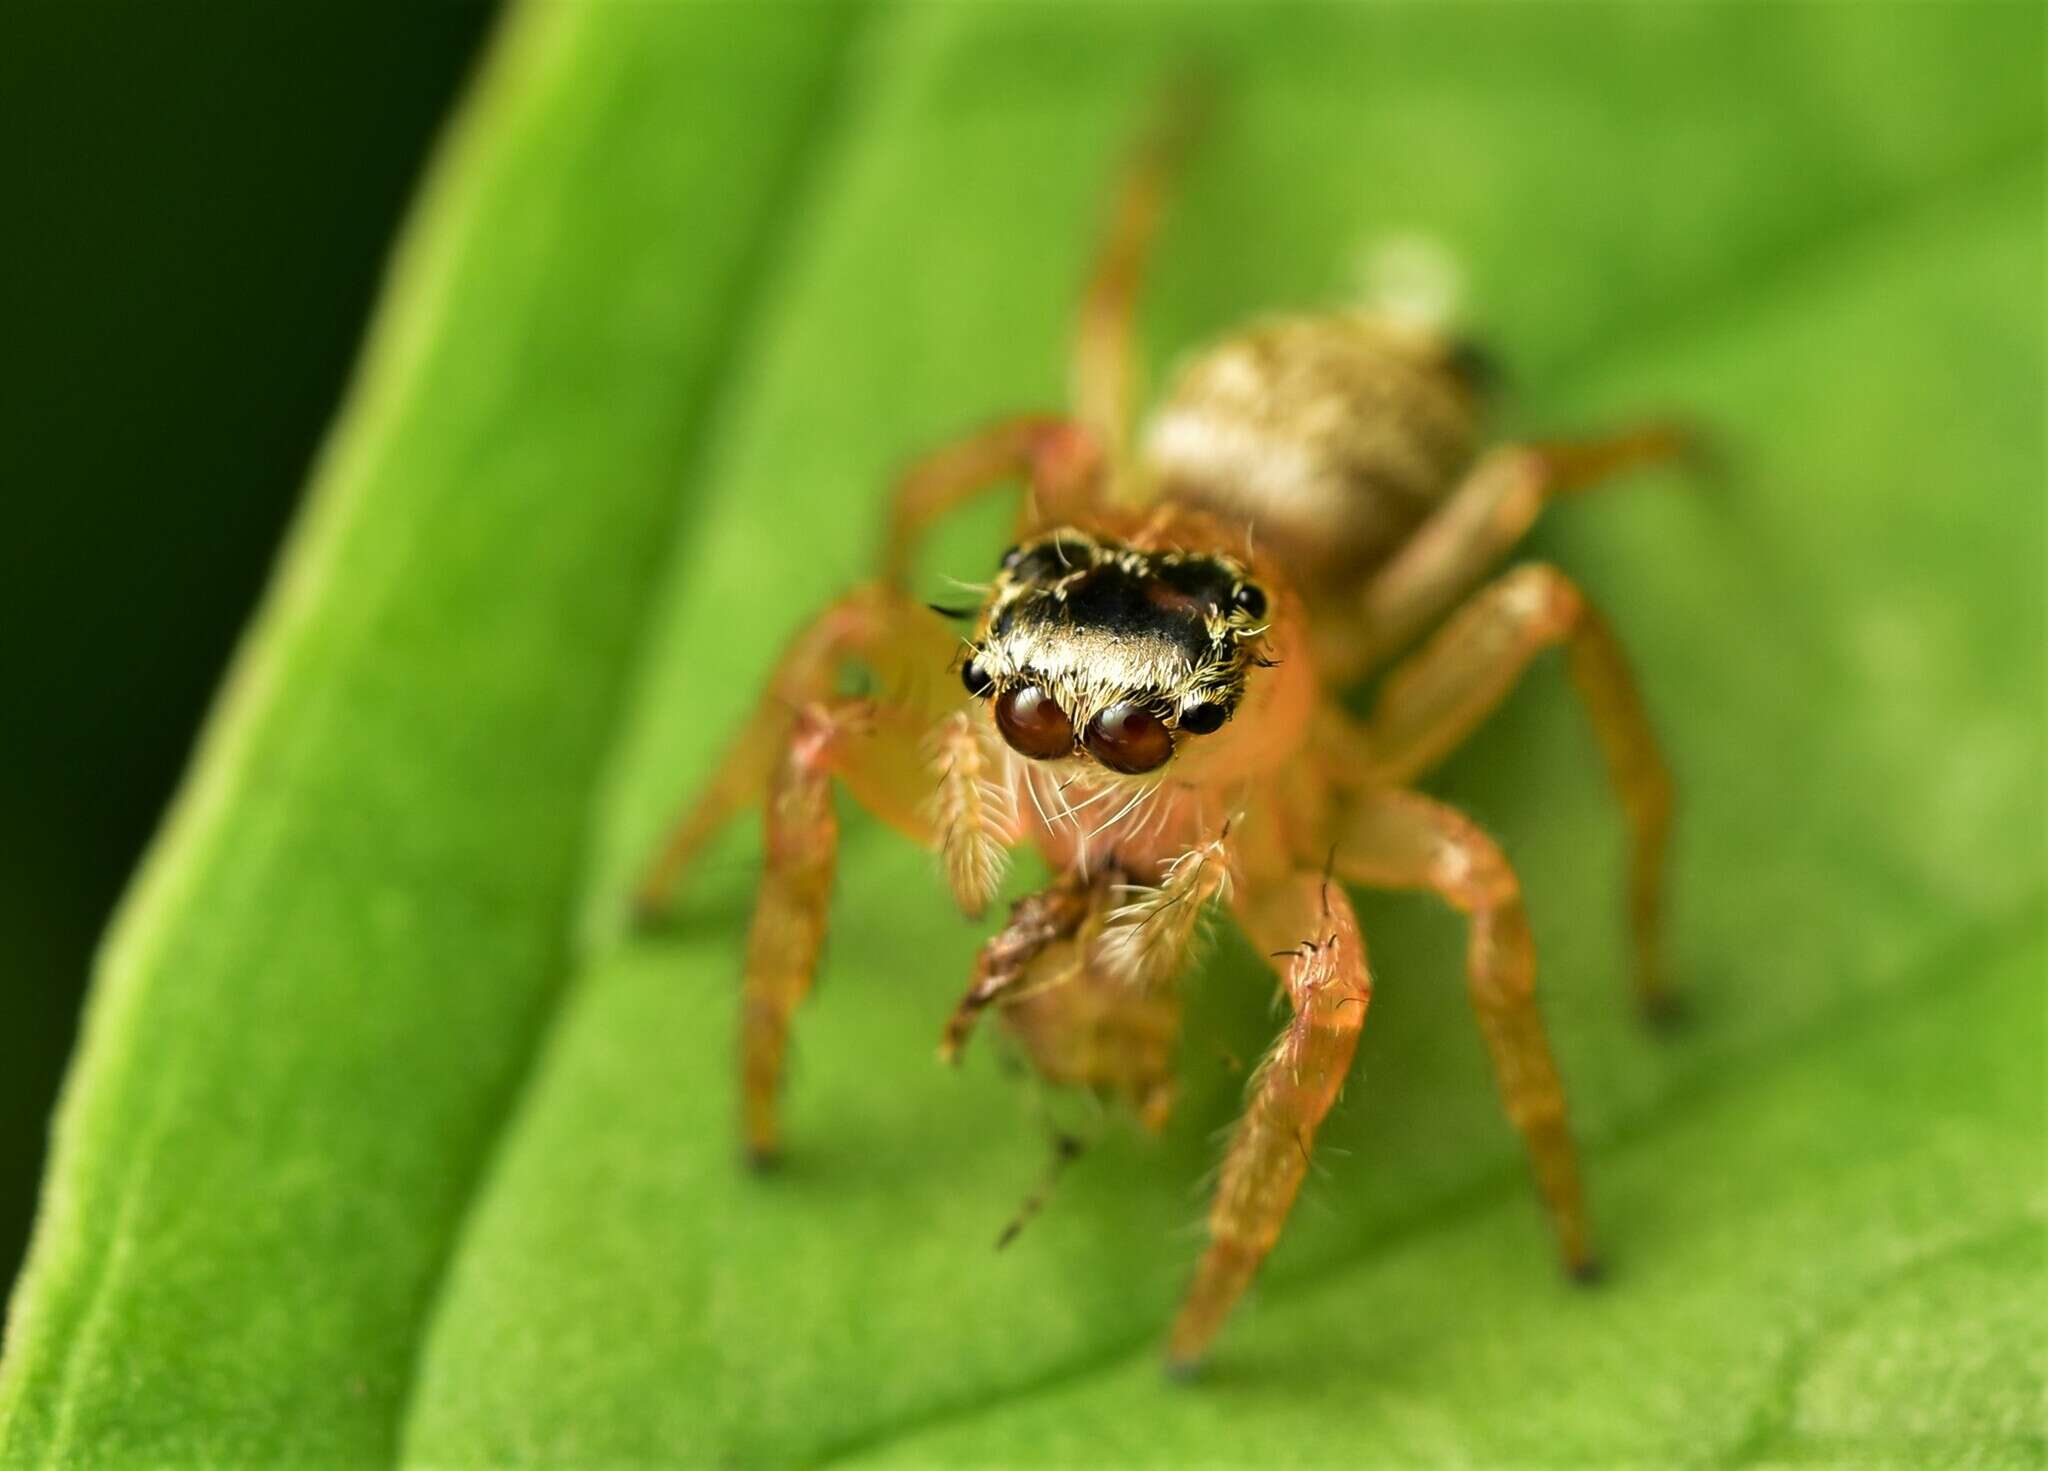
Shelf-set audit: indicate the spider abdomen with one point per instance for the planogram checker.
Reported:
(1333, 436)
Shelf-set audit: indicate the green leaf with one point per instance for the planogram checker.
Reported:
(387, 1143)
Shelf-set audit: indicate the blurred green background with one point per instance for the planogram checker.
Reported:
(200, 197)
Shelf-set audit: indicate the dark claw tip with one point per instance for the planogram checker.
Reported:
(763, 1159)
(1588, 1272)
(1183, 1371)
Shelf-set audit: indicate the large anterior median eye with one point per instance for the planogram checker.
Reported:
(1129, 738)
(1034, 724)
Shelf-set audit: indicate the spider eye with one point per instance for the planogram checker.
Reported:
(1204, 719)
(1251, 599)
(1034, 724)
(975, 678)
(1129, 738)
(1012, 557)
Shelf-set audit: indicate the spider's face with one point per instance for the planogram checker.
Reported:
(1094, 646)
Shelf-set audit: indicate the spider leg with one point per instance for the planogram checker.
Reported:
(1435, 699)
(909, 756)
(1059, 461)
(908, 649)
(1105, 370)
(1404, 840)
(1083, 1019)
(1055, 913)
(1489, 512)
(1307, 920)
(875, 750)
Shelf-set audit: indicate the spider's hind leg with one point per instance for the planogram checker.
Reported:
(1490, 510)
(1404, 840)
(1434, 699)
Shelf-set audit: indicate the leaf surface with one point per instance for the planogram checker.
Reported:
(388, 1142)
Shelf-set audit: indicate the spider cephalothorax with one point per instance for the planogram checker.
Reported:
(1093, 643)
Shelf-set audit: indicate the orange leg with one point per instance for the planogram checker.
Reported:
(1059, 461)
(906, 647)
(1486, 515)
(1404, 840)
(1435, 699)
(875, 750)
(1105, 355)
(1081, 1023)
(1038, 922)
(1308, 922)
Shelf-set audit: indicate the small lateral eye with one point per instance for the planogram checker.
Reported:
(1205, 719)
(976, 679)
(1129, 738)
(1251, 599)
(1012, 557)
(1034, 724)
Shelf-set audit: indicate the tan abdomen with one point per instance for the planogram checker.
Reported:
(1332, 436)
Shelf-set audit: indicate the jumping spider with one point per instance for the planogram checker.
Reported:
(1149, 696)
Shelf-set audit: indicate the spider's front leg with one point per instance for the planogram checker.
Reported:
(1307, 923)
(1090, 1010)
(1038, 922)
(911, 755)
(909, 654)
(874, 749)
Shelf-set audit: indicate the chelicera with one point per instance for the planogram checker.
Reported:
(1148, 694)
